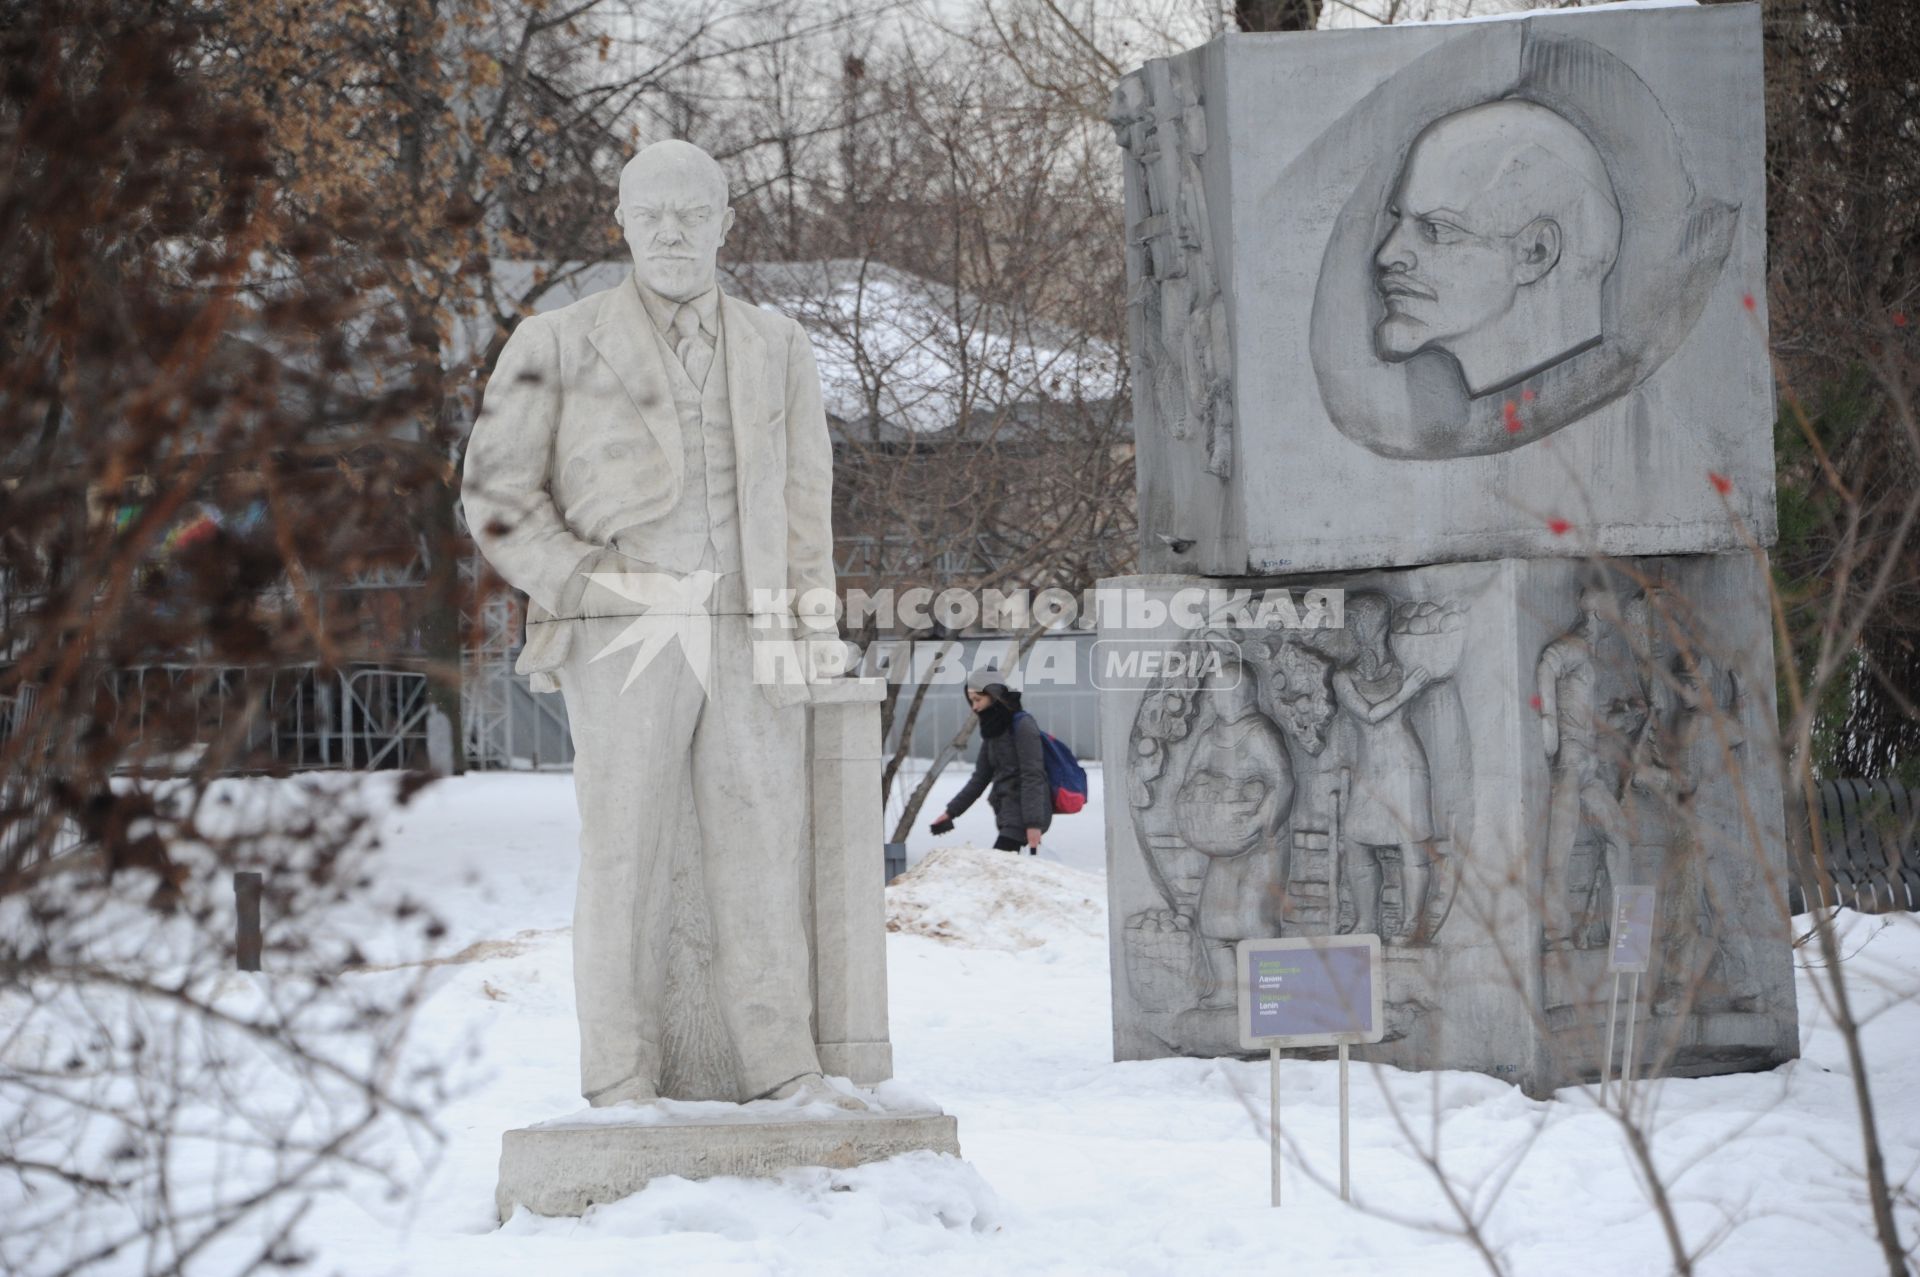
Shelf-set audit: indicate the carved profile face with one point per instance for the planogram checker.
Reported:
(673, 209)
(1504, 225)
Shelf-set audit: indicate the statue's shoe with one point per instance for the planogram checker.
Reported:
(811, 1088)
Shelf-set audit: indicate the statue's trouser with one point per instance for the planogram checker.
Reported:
(1578, 798)
(633, 751)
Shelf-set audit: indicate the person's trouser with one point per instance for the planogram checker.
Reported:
(634, 750)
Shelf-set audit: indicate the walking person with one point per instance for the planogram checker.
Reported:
(1012, 760)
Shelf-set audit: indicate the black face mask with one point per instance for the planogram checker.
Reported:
(995, 719)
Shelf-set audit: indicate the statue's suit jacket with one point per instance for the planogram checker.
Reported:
(578, 441)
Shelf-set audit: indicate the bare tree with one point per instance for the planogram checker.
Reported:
(941, 227)
(177, 470)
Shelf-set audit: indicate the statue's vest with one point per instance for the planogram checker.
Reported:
(708, 512)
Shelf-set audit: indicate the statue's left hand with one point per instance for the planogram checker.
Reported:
(827, 658)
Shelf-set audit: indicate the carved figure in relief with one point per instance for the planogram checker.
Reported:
(1388, 807)
(1232, 806)
(1211, 782)
(1504, 226)
(1180, 351)
(1705, 736)
(1163, 962)
(1231, 783)
(1513, 256)
(1586, 785)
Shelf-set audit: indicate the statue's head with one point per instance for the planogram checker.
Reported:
(673, 208)
(1226, 683)
(1598, 602)
(1505, 225)
(1368, 616)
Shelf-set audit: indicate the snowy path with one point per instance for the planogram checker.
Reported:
(1074, 1164)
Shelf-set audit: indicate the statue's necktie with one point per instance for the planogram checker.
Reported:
(691, 345)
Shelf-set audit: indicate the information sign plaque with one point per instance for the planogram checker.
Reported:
(1632, 929)
(1629, 953)
(1310, 991)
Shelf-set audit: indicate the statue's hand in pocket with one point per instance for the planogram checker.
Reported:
(605, 575)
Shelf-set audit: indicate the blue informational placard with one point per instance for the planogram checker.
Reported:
(1632, 947)
(1310, 991)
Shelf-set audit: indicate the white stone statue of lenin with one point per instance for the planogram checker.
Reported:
(650, 465)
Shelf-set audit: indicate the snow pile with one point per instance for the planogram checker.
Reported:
(999, 993)
(1079, 840)
(995, 900)
(905, 1208)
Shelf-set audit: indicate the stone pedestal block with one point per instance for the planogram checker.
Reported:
(1464, 763)
(1405, 295)
(849, 881)
(562, 1169)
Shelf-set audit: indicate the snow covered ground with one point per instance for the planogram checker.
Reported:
(1075, 1164)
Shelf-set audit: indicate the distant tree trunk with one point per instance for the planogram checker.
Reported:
(443, 622)
(1276, 15)
(902, 750)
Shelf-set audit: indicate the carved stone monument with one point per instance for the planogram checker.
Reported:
(652, 468)
(1500, 270)
(1394, 776)
(1470, 300)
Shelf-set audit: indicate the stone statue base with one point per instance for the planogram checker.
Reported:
(564, 1166)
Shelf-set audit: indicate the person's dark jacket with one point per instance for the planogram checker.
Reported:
(1015, 764)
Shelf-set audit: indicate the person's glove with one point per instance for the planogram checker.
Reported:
(944, 825)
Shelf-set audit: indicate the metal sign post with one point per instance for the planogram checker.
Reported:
(1629, 953)
(1345, 1184)
(1309, 991)
(1273, 1118)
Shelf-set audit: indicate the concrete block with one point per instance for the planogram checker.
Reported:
(852, 728)
(849, 884)
(561, 1169)
(1417, 294)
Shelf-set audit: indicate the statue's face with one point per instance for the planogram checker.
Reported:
(1442, 271)
(1229, 687)
(675, 215)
